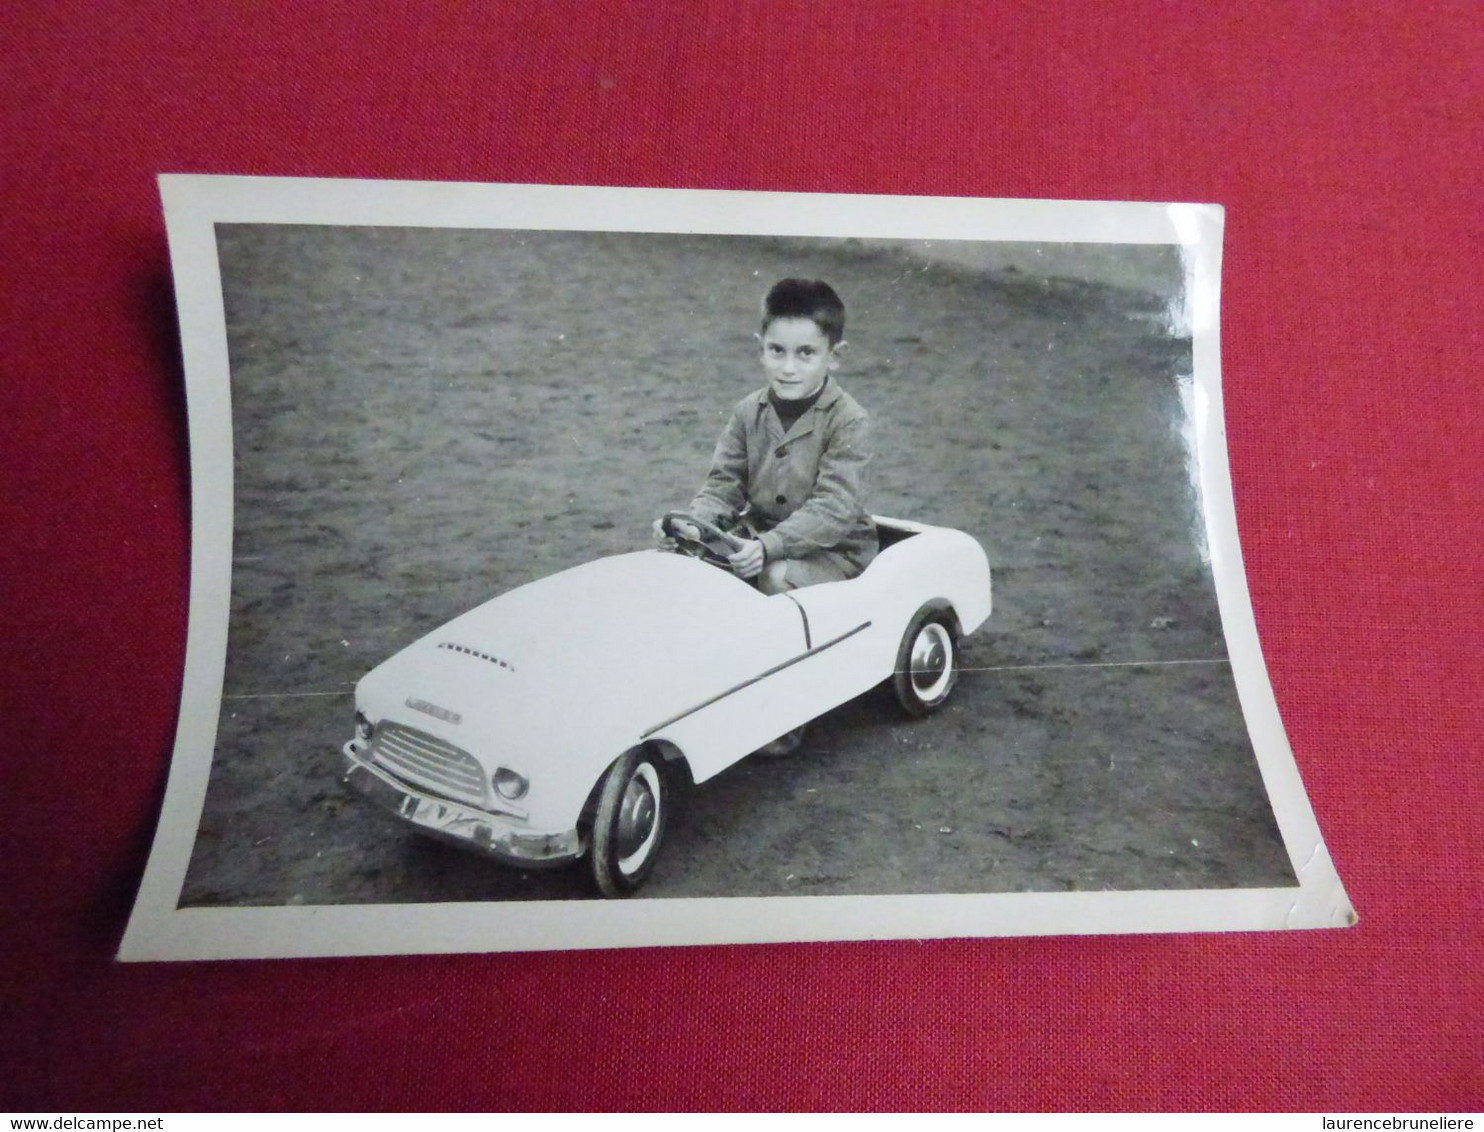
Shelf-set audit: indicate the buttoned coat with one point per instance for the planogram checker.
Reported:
(800, 488)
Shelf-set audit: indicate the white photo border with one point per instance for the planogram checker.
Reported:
(160, 930)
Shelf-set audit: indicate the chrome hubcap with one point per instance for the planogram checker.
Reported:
(932, 661)
(638, 818)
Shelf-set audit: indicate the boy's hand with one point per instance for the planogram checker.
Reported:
(747, 562)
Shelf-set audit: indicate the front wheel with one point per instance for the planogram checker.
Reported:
(927, 662)
(629, 823)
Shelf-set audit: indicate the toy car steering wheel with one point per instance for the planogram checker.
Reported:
(713, 546)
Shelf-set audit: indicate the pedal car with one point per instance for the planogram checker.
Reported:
(552, 722)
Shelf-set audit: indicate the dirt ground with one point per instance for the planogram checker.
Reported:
(427, 418)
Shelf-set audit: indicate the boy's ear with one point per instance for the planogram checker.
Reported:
(837, 352)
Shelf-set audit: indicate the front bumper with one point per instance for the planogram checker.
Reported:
(494, 835)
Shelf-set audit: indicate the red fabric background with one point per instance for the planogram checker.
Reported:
(1345, 144)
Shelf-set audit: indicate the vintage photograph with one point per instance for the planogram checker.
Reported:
(584, 565)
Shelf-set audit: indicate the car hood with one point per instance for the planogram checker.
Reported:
(584, 662)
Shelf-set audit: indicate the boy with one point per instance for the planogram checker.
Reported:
(786, 474)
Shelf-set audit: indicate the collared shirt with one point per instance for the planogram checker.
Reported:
(800, 488)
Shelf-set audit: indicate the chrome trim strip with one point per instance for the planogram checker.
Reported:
(807, 642)
(760, 676)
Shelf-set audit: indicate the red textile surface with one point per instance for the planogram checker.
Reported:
(1345, 146)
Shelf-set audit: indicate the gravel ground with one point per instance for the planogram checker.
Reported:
(426, 418)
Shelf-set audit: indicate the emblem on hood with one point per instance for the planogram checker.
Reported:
(434, 710)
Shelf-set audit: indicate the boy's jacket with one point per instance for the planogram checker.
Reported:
(800, 488)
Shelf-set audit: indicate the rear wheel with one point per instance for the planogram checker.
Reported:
(629, 823)
(927, 662)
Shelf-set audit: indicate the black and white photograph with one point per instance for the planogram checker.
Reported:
(579, 568)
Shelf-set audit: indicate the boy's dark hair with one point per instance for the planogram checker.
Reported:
(807, 298)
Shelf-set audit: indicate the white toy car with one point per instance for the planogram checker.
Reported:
(551, 722)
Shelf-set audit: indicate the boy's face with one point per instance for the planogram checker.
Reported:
(797, 357)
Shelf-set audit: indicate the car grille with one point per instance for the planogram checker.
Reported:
(425, 761)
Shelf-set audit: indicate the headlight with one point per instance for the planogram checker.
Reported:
(510, 785)
(364, 727)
